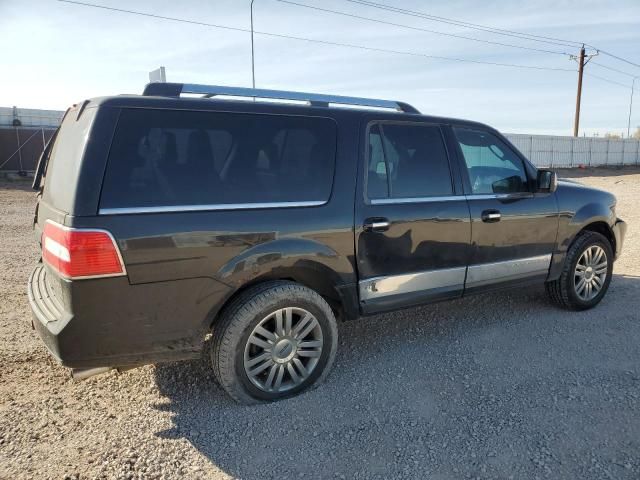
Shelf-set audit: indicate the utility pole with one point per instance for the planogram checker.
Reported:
(253, 66)
(633, 85)
(576, 123)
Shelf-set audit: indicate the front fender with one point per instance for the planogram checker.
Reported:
(572, 221)
(592, 212)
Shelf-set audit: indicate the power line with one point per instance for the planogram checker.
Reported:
(151, 15)
(612, 69)
(616, 57)
(323, 42)
(474, 26)
(498, 31)
(613, 82)
(345, 14)
(453, 35)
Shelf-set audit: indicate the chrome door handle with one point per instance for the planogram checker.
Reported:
(490, 216)
(376, 225)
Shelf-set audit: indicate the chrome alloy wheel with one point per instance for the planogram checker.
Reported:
(283, 350)
(590, 273)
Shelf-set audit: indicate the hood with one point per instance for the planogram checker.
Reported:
(571, 188)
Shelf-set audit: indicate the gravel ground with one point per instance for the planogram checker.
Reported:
(497, 386)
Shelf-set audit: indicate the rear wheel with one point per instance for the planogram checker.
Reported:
(274, 341)
(586, 273)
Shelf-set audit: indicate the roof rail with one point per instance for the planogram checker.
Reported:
(314, 99)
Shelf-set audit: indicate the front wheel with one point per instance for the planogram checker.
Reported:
(274, 341)
(586, 273)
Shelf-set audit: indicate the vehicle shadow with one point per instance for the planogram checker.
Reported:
(483, 386)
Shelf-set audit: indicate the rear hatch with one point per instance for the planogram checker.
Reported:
(58, 171)
(57, 183)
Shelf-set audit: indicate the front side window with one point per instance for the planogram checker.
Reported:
(407, 161)
(173, 158)
(493, 167)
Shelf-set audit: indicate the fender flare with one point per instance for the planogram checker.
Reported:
(305, 261)
(589, 214)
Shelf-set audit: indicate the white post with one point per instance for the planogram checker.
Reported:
(253, 66)
(19, 149)
(633, 83)
(572, 141)
(531, 147)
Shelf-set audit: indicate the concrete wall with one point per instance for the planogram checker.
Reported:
(20, 148)
(23, 134)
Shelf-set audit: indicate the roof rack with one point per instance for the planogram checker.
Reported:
(314, 99)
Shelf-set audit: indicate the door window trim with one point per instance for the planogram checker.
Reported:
(404, 200)
(451, 198)
(211, 207)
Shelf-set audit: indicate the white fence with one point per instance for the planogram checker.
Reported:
(552, 151)
(30, 117)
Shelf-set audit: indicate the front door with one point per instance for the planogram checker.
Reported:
(513, 227)
(412, 219)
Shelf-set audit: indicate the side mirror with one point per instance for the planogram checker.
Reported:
(547, 181)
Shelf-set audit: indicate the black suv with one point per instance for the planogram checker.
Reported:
(164, 220)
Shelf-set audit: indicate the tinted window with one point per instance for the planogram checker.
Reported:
(166, 158)
(492, 165)
(407, 161)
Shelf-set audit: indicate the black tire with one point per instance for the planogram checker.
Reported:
(563, 290)
(232, 331)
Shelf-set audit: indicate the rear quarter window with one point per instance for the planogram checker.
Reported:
(165, 158)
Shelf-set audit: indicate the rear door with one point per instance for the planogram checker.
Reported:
(412, 220)
(513, 227)
(187, 193)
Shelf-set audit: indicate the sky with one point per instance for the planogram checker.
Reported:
(54, 54)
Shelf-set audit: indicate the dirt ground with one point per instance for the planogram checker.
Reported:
(498, 386)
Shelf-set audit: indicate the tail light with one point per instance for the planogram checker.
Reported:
(78, 253)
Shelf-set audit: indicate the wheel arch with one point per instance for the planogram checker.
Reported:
(593, 217)
(306, 262)
(602, 228)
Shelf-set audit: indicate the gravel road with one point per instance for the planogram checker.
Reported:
(497, 386)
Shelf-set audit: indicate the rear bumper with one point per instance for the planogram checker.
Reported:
(619, 231)
(48, 316)
(110, 323)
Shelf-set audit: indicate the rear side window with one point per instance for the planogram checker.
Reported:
(176, 158)
(407, 161)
